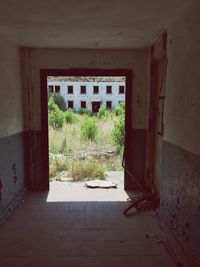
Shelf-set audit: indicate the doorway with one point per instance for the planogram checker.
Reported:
(95, 107)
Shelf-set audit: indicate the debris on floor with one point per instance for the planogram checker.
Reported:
(157, 238)
(101, 184)
(144, 201)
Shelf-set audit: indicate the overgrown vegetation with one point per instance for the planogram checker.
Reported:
(118, 131)
(119, 110)
(85, 111)
(56, 116)
(58, 100)
(57, 164)
(89, 129)
(103, 112)
(85, 145)
(86, 169)
(70, 117)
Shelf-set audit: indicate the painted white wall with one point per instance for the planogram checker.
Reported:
(136, 60)
(182, 106)
(77, 97)
(11, 114)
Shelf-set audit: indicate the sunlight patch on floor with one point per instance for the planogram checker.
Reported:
(71, 191)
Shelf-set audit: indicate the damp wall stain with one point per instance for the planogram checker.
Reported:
(180, 198)
(11, 168)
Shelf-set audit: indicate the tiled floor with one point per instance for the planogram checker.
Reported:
(74, 226)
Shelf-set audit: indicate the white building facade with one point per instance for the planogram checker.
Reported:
(89, 94)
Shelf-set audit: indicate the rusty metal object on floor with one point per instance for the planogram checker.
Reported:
(145, 201)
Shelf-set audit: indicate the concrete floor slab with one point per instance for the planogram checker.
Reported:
(74, 226)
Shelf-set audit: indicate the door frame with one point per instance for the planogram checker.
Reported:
(152, 125)
(44, 73)
(158, 67)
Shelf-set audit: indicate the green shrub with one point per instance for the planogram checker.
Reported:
(90, 113)
(70, 117)
(52, 107)
(119, 110)
(118, 131)
(102, 112)
(83, 111)
(119, 126)
(56, 119)
(109, 112)
(80, 170)
(49, 95)
(89, 129)
(59, 101)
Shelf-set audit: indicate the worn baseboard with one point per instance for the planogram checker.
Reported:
(11, 206)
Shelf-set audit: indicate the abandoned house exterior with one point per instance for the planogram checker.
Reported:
(156, 45)
(90, 95)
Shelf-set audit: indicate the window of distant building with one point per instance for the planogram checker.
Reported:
(96, 89)
(121, 89)
(57, 88)
(83, 104)
(70, 89)
(108, 89)
(50, 88)
(70, 104)
(83, 89)
(109, 104)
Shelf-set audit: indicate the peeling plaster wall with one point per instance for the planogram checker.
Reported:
(180, 167)
(10, 86)
(137, 60)
(11, 130)
(182, 123)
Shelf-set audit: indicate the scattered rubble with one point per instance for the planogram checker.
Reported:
(64, 177)
(97, 154)
(86, 154)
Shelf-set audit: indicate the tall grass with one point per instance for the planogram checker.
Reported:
(86, 170)
(70, 117)
(89, 129)
(57, 165)
(68, 141)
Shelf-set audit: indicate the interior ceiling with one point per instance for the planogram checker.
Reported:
(86, 23)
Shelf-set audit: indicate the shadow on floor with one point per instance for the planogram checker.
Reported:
(47, 230)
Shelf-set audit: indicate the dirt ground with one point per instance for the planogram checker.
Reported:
(77, 191)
